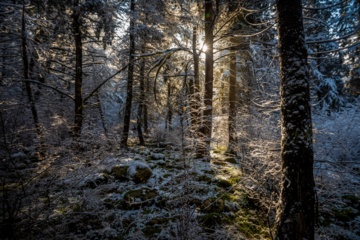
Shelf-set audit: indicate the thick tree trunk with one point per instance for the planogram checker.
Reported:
(209, 76)
(129, 88)
(78, 70)
(26, 77)
(295, 219)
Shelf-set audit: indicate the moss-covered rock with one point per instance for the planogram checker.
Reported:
(137, 198)
(224, 183)
(120, 172)
(213, 205)
(142, 175)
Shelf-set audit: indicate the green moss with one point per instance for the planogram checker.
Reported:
(120, 172)
(213, 205)
(224, 183)
(142, 175)
(234, 180)
(250, 226)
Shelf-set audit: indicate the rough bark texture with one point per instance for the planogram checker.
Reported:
(129, 88)
(78, 69)
(295, 219)
(209, 76)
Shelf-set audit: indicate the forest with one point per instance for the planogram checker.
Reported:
(180, 119)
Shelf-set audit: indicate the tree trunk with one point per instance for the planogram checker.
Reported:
(194, 85)
(141, 101)
(169, 115)
(78, 70)
(145, 117)
(129, 91)
(26, 77)
(232, 103)
(295, 218)
(209, 76)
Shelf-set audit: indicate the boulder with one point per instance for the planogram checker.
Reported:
(120, 172)
(139, 172)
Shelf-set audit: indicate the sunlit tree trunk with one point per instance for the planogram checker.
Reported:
(78, 69)
(295, 218)
(129, 91)
(209, 76)
(26, 77)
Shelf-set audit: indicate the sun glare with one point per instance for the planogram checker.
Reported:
(205, 48)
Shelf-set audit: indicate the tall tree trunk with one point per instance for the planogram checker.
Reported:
(26, 77)
(78, 69)
(232, 103)
(209, 76)
(295, 218)
(129, 88)
(194, 91)
(141, 101)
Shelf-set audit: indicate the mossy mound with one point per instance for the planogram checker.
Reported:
(120, 172)
(223, 183)
(142, 175)
(213, 205)
(137, 198)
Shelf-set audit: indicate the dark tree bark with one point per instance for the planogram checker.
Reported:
(129, 88)
(26, 77)
(209, 76)
(232, 103)
(169, 115)
(295, 219)
(76, 18)
(194, 88)
(141, 101)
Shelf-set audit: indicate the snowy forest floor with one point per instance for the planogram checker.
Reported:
(88, 190)
(102, 193)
